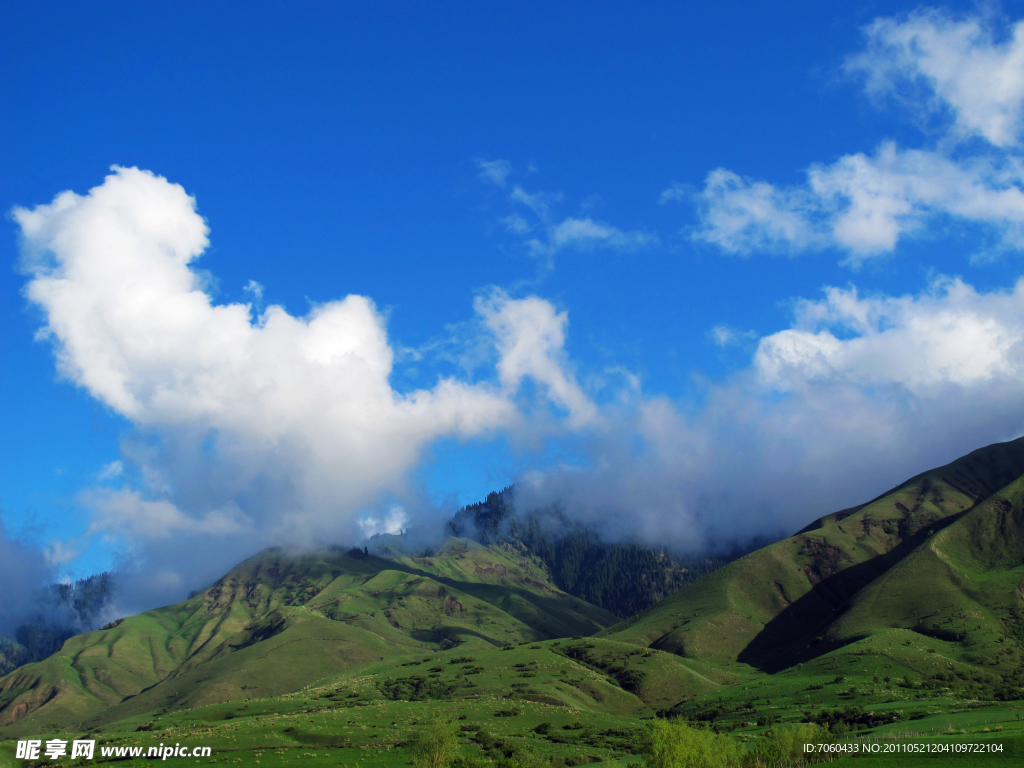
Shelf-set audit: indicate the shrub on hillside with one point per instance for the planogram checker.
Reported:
(783, 746)
(436, 746)
(676, 744)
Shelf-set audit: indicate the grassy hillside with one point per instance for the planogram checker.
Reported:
(937, 562)
(560, 702)
(277, 623)
(576, 699)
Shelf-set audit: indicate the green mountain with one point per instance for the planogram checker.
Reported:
(279, 622)
(933, 569)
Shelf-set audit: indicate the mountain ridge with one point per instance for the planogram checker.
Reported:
(771, 607)
(351, 609)
(621, 577)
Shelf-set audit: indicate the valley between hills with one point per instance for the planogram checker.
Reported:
(899, 619)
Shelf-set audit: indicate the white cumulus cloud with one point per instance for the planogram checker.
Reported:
(262, 429)
(741, 215)
(393, 522)
(531, 337)
(862, 204)
(951, 335)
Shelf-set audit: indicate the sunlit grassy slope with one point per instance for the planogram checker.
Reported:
(940, 556)
(571, 701)
(278, 622)
(579, 699)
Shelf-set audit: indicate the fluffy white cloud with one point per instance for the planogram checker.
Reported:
(949, 336)
(133, 325)
(932, 61)
(393, 522)
(265, 429)
(861, 204)
(531, 337)
(740, 215)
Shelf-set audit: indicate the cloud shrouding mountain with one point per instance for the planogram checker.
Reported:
(861, 391)
(23, 572)
(858, 395)
(276, 429)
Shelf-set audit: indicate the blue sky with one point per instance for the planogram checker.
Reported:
(594, 220)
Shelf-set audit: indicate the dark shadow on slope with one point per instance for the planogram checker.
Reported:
(270, 626)
(458, 635)
(797, 634)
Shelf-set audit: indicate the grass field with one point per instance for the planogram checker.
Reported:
(558, 699)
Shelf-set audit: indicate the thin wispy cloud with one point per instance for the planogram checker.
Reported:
(111, 471)
(256, 291)
(547, 232)
(727, 336)
(586, 233)
(494, 171)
